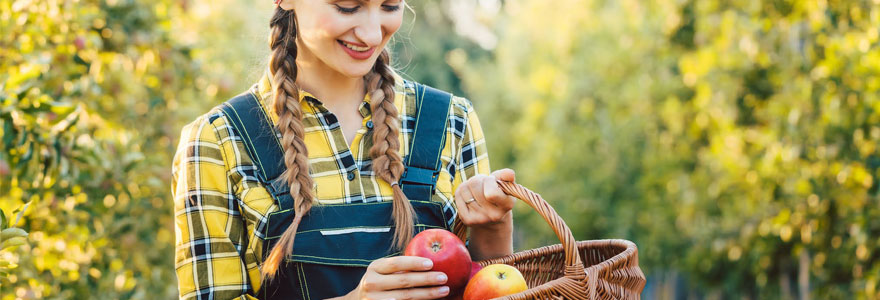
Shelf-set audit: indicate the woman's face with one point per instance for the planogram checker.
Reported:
(345, 36)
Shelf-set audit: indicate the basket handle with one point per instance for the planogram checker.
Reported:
(573, 263)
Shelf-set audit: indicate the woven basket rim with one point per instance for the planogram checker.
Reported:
(629, 248)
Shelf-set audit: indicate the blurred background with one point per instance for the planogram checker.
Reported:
(735, 142)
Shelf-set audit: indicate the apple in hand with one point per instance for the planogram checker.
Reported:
(475, 267)
(448, 253)
(495, 281)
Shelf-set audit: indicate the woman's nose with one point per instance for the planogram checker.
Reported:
(370, 30)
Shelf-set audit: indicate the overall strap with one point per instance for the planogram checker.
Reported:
(429, 136)
(419, 180)
(246, 116)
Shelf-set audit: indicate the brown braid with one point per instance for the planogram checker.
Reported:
(296, 158)
(387, 162)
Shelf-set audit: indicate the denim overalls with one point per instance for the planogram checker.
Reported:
(335, 243)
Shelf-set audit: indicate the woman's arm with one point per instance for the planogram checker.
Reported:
(209, 229)
(489, 215)
(493, 241)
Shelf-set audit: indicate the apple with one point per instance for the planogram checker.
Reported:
(495, 281)
(475, 267)
(448, 253)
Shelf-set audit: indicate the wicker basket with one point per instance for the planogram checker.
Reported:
(598, 269)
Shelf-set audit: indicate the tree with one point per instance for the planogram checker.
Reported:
(735, 143)
(86, 89)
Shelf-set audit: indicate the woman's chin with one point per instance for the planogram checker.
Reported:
(353, 68)
(356, 70)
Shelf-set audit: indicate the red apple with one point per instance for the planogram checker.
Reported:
(448, 254)
(495, 281)
(454, 297)
(475, 267)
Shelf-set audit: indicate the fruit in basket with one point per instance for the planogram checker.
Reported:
(448, 253)
(495, 281)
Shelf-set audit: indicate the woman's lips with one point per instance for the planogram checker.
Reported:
(359, 55)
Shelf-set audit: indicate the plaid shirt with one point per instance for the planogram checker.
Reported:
(219, 239)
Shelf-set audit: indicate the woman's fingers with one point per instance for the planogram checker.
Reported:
(390, 265)
(476, 190)
(476, 210)
(462, 195)
(406, 280)
(505, 174)
(475, 184)
(497, 202)
(413, 293)
(490, 204)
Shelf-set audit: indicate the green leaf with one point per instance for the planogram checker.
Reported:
(20, 213)
(2, 220)
(12, 233)
(17, 241)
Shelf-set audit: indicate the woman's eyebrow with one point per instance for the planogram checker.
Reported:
(363, 2)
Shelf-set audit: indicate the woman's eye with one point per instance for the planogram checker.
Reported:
(347, 10)
(391, 7)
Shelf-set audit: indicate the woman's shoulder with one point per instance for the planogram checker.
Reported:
(461, 106)
(205, 128)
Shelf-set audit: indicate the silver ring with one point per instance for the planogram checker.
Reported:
(469, 201)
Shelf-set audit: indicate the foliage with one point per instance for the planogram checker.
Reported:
(10, 237)
(735, 142)
(85, 87)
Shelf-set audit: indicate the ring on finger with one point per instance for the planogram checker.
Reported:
(469, 201)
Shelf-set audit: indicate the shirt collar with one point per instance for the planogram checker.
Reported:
(265, 95)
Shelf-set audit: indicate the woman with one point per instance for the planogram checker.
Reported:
(320, 206)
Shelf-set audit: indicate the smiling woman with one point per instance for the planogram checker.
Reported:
(313, 153)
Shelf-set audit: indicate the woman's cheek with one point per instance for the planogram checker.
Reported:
(391, 26)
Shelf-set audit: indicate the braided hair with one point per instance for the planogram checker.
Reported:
(387, 162)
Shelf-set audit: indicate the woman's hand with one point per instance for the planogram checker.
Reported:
(400, 277)
(481, 203)
(486, 210)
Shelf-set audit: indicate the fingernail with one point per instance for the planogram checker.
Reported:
(444, 290)
(441, 278)
(428, 264)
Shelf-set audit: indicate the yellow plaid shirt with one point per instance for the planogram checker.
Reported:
(219, 239)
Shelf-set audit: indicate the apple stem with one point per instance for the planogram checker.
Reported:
(435, 246)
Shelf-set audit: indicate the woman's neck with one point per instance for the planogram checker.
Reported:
(332, 88)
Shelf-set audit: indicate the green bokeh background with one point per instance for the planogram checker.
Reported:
(736, 142)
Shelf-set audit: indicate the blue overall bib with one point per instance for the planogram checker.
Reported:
(335, 243)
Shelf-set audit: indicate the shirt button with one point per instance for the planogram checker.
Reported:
(370, 124)
(351, 176)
